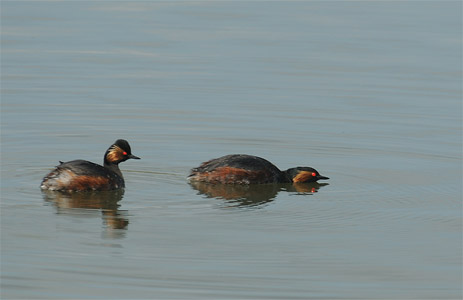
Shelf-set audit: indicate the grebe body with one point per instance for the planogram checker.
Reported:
(248, 169)
(82, 175)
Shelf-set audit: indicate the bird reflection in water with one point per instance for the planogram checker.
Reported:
(105, 201)
(252, 195)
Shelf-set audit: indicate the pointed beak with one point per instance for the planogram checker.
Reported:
(322, 177)
(133, 156)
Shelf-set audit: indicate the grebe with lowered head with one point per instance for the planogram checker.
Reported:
(248, 169)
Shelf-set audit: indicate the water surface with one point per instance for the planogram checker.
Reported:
(368, 93)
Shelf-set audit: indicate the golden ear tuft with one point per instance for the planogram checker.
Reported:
(303, 176)
(115, 154)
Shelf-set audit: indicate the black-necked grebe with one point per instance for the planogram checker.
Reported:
(248, 169)
(82, 175)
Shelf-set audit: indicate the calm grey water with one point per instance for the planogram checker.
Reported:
(368, 93)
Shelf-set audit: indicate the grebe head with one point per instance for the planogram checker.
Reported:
(118, 152)
(303, 174)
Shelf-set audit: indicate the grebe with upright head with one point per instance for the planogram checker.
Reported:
(82, 175)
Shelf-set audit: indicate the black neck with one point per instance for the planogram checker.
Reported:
(114, 168)
(286, 176)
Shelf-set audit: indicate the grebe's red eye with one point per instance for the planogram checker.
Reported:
(125, 153)
(314, 174)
